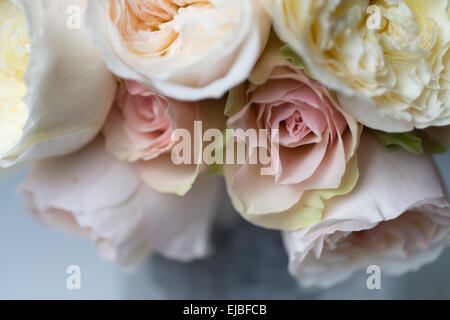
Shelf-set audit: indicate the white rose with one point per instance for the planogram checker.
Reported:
(397, 217)
(388, 59)
(55, 90)
(184, 49)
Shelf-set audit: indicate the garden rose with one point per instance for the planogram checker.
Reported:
(93, 192)
(397, 217)
(388, 59)
(141, 129)
(55, 90)
(317, 142)
(184, 49)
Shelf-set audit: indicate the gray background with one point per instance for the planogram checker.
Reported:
(249, 263)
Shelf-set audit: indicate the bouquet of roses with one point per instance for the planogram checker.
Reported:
(320, 115)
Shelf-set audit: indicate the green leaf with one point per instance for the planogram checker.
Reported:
(236, 100)
(408, 141)
(287, 53)
(216, 169)
(430, 145)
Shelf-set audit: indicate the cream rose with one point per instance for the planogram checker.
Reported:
(183, 49)
(397, 217)
(388, 59)
(55, 90)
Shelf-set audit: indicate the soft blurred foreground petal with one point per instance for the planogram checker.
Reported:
(179, 227)
(397, 217)
(93, 191)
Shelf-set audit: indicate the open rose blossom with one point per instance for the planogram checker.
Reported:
(55, 89)
(317, 143)
(184, 49)
(140, 129)
(93, 192)
(397, 217)
(388, 59)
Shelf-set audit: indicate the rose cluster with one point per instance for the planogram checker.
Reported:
(346, 99)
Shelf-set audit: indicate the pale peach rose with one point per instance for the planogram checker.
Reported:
(397, 217)
(317, 143)
(93, 192)
(184, 49)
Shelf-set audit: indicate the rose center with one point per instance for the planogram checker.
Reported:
(173, 27)
(396, 22)
(295, 124)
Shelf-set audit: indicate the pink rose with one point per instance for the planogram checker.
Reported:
(317, 140)
(139, 127)
(140, 130)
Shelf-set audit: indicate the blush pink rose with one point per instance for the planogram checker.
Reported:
(317, 140)
(139, 127)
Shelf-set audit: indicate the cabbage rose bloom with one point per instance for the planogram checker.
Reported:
(183, 49)
(388, 59)
(397, 217)
(44, 66)
(141, 129)
(317, 142)
(94, 193)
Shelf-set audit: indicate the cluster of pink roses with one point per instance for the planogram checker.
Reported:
(105, 100)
